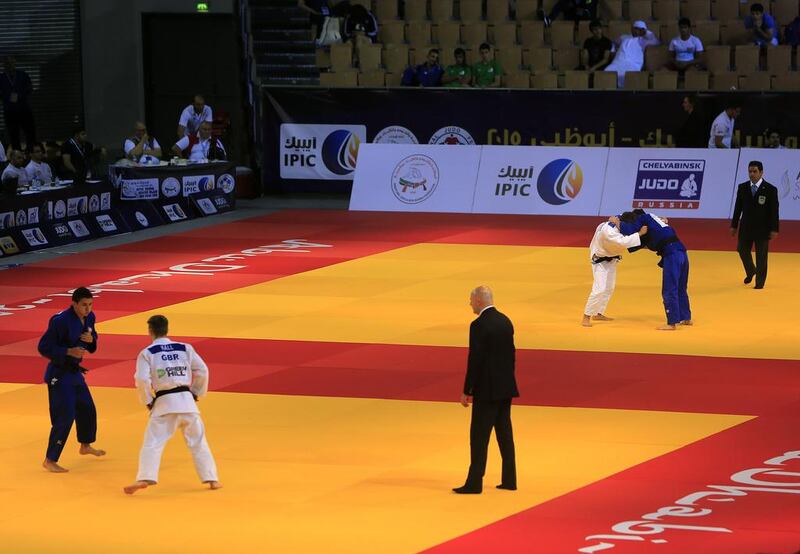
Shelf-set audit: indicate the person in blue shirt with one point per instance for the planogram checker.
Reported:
(663, 240)
(428, 74)
(762, 25)
(70, 335)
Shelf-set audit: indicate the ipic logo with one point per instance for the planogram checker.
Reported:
(514, 181)
(340, 151)
(669, 184)
(560, 181)
(302, 152)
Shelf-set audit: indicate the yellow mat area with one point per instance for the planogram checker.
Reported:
(419, 294)
(305, 474)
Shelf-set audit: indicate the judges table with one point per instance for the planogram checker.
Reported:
(133, 197)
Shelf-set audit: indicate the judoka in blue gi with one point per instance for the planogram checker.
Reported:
(69, 336)
(663, 240)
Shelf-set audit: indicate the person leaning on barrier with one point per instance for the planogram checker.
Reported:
(200, 147)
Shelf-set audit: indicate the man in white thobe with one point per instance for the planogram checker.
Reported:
(169, 377)
(629, 51)
(605, 252)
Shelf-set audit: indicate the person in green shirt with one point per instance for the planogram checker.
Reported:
(487, 72)
(459, 74)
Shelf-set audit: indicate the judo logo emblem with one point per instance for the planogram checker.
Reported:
(560, 181)
(415, 179)
(673, 184)
(340, 151)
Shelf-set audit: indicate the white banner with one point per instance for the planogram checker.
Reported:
(320, 151)
(679, 182)
(139, 189)
(540, 180)
(781, 169)
(192, 184)
(415, 178)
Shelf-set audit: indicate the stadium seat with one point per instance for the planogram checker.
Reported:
(471, 11)
(583, 32)
(562, 33)
(786, 81)
(509, 58)
(758, 80)
(503, 34)
(723, 10)
(779, 59)
(419, 53)
(707, 31)
(517, 79)
(637, 80)
(576, 80)
(656, 57)
(526, 10)
(640, 9)
(696, 80)
(497, 11)
(441, 10)
(718, 58)
(746, 58)
(386, 10)
(416, 10)
(566, 58)
(341, 56)
(696, 10)
(322, 57)
(539, 59)
(447, 34)
(374, 79)
(473, 33)
(668, 31)
(784, 11)
(618, 28)
(369, 57)
(394, 79)
(666, 10)
(418, 32)
(724, 80)
(396, 58)
(604, 80)
(339, 79)
(609, 10)
(732, 32)
(531, 33)
(544, 80)
(447, 56)
(665, 80)
(392, 32)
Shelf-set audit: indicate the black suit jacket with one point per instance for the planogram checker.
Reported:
(759, 213)
(490, 366)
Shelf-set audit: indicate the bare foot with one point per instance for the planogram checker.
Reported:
(687, 322)
(214, 485)
(601, 317)
(667, 328)
(130, 489)
(87, 449)
(53, 467)
(586, 321)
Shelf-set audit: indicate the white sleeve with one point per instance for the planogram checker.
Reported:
(650, 39)
(672, 45)
(699, 44)
(184, 119)
(142, 378)
(30, 170)
(2, 153)
(199, 369)
(183, 143)
(48, 173)
(128, 146)
(622, 242)
(221, 147)
(155, 144)
(210, 116)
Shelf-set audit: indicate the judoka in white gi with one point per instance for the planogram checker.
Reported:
(169, 377)
(605, 252)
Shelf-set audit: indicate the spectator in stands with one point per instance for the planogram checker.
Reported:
(460, 73)
(200, 147)
(16, 168)
(687, 50)
(76, 154)
(360, 22)
(772, 139)
(487, 72)
(317, 11)
(693, 133)
(791, 35)
(762, 25)
(596, 52)
(39, 173)
(16, 89)
(193, 115)
(629, 50)
(575, 10)
(141, 144)
(721, 135)
(428, 74)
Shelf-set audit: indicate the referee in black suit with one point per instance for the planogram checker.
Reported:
(490, 382)
(757, 205)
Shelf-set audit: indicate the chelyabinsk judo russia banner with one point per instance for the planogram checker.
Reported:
(781, 169)
(415, 178)
(320, 151)
(547, 180)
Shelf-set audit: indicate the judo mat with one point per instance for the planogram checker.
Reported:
(337, 347)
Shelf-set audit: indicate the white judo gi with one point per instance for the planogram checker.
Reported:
(165, 365)
(607, 242)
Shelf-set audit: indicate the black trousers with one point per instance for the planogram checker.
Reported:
(762, 249)
(488, 415)
(70, 400)
(20, 119)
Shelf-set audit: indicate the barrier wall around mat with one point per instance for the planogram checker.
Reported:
(687, 183)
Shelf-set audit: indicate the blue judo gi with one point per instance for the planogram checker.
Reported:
(662, 239)
(68, 394)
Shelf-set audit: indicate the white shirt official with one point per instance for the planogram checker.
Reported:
(191, 120)
(19, 172)
(199, 150)
(722, 127)
(164, 365)
(39, 172)
(130, 145)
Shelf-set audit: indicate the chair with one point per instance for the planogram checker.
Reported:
(583, 32)
(605, 80)
(386, 10)
(339, 79)
(369, 57)
(392, 32)
(531, 33)
(416, 10)
(471, 11)
(696, 9)
(724, 80)
(786, 81)
(566, 58)
(718, 58)
(746, 58)
(503, 34)
(341, 56)
(760, 80)
(441, 10)
(473, 33)
(544, 80)
(707, 31)
(665, 80)
(732, 32)
(668, 31)
(609, 10)
(539, 59)
(666, 10)
(784, 11)
(394, 79)
(576, 80)
(562, 33)
(497, 10)
(640, 9)
(637, 80)
(373, 79)
(322, 58)
(527, 10)
(696, 80)
(518, 79)
(618, 28)
(656, 57)
(509, 58)
(418, 32)
(724, 10)
(447, 56)
(395, 58)
(779, 59)
(447, 34)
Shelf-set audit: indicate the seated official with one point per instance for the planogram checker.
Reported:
(38, 171)
(200, 147)
(16, 169)
(76, 153)
(141, 144)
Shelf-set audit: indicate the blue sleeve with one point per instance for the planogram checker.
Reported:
(769, 21)
(49, 346)
(409, 77)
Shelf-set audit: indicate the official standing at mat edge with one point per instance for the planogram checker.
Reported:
(491, 384)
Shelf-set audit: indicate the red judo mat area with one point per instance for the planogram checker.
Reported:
(735, 491)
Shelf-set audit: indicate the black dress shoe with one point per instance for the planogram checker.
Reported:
(467, 490)
(748, 279)
(506, 487)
